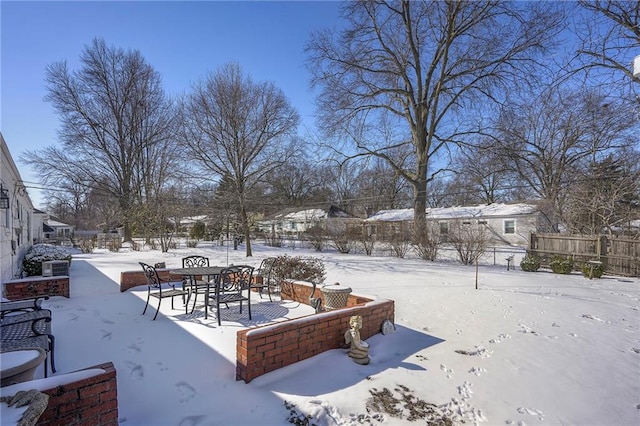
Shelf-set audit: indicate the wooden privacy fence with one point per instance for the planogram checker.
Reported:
(619, 255)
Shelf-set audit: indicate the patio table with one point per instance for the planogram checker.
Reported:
(197, 271)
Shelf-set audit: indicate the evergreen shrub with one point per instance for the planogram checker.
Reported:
(561, 265)
(598, 270)
(38, 253)
(530, 263)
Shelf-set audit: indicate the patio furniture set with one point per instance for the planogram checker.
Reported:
(26, 340)
(220, 285)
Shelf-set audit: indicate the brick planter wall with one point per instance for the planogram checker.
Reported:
(84, 397)
(29, 287)
(263, 349)
(129, 279)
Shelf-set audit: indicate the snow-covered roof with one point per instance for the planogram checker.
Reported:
(302, 215)
(459, 212)
(55, 224)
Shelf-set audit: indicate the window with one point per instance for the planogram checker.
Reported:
(444, 228)
(509, 226)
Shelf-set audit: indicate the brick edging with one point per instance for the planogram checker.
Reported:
(91, 401)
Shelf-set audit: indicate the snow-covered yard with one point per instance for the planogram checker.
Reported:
(525, 348)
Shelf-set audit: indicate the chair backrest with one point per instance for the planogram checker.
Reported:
(234, 279)
(266, 268)
(153, 280)
(194, 261)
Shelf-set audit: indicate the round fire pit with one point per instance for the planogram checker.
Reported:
(335, 296)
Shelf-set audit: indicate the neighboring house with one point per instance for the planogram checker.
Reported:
(507, 223)
(39, 226)
(185, 224)
(57, 231)
(17, 219)
(296, 220)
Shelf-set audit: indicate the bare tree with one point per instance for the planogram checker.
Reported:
(240, 129)
(470, 240)
(549, 138)
(606, 195)
(417, 68)
(298, 183)
(610, 37)
(113, 114)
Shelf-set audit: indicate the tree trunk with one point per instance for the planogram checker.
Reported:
(245, 228)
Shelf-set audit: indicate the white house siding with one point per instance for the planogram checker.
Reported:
(18, 223)
(524, 217)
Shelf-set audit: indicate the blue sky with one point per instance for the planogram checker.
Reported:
(181, 40)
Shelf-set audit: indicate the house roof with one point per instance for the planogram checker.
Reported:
(55, 224)
(459, 212)
(305, 213)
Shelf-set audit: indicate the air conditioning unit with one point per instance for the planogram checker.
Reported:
(54, 268)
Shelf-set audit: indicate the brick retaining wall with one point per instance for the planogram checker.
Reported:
(129, 279)
(30, 287)
(84, 397)
(92, 401)
(263, 349)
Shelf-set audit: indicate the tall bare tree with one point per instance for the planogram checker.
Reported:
(421, 66)
(610, 37)
(240, 129)
(115, 122)
(550, 138)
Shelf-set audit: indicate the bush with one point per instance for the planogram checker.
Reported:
(592, 270)
(192, 243)
(32, 262)
(530, 263)
(561, 265)
(87, 245)
(114, 245)
(299, 268)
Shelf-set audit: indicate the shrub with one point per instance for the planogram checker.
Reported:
(32, 262)
(87, 245)
(114, 245)
(561, 265)
(298, 268)
(427, 242)
(530, 263)
(592, 270)
(192, 243)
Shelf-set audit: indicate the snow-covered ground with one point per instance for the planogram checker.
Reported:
(524, 348)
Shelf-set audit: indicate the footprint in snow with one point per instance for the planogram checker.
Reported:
(135, 370)
(192, 420)
(531, 412)
(107, 321)
(106, 335)
(187, 392)
(573, 335)
(73, 317)
(446, 370)
(477, 371)
(134, 349)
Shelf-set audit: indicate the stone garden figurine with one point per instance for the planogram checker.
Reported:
(358, 350)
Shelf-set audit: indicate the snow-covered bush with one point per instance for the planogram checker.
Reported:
(530, 263)
(561, 265)
(299, 268)
(593, 270)
(32, 262)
